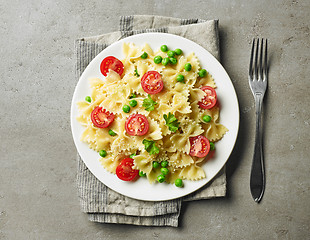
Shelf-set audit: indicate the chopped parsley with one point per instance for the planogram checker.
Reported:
(172, 122)
(149, 104)
(150, 146)
(133, 95)
(136, 73)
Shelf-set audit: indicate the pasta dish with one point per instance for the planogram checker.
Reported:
(153, 114)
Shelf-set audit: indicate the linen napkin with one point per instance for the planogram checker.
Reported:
(98, 201)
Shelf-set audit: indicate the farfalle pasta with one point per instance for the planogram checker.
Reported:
(157, 107)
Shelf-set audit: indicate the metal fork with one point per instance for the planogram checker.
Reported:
(258, 85)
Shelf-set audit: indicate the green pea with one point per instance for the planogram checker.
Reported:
(156, 164)
(161, 178)
(202, 72)
(164, 164)
(144, 55)
(132, 155)
(171, 53)
(178, 182)
(158, 59)
(164, 48)
(126, 108)
(173, 60)
(164, 171)
(142, 174)
(165, 61)
(103, 153)
(133, 103)
(206, 118)
(88, 99)
(188, 67)
(112, 133)
(178, 51)
(180, 78)
(212, 146)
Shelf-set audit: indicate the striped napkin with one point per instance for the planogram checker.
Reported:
(98, 201)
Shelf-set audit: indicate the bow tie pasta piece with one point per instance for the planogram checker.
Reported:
(144, 162)
(214, 131)
(103, 139)
(131, 53)
(168, 144)
(180, 160)
(193, 172)
(89, 136)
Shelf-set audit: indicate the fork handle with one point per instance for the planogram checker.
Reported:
(257, 179)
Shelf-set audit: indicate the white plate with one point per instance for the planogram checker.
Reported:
(229, 116)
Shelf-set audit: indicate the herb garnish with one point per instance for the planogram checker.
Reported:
(133, 95)
(149, 104)
(136, 73)
(172, 122)
(150, 146)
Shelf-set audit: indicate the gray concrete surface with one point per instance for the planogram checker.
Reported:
(38, 196)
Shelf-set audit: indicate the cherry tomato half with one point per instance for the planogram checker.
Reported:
(124, 170)
(151, 82)
(136, 125)
(210, 99)
(101, 118)
(111, 63)
(200, 146)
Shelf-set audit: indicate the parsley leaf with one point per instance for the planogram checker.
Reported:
(172, 122)
(136, 73)
(149, 104)
(132, 96)
(150, 146)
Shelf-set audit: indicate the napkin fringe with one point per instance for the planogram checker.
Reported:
(166, 220)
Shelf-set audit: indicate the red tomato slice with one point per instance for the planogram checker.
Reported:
(200, 146)
(101, 118)
(210, 99)
(136, 125)
(111, 63)
(151, 82)
(124, 170)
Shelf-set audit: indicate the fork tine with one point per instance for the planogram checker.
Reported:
(251, 59)
(265, 62)
(255, 61)
(261, 61)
